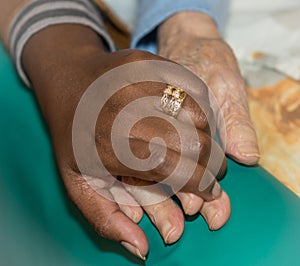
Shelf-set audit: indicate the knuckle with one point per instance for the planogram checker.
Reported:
(137, 55)
(157, 157)
(101, 229)
(204, 146)
(102, 223)
(206, 121)
(238, 118)
(165, 165)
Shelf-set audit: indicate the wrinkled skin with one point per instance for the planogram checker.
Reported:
(203, 51)
(60, 72)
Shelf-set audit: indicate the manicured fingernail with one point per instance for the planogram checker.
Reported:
(216, 191)
(167, 231)
(248, 149)
(135, 251)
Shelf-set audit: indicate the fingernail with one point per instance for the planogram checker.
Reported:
(211, 217)
(214, 220)
(216, 191)
(248, 149)
(135, 217)
(186, 203)
(135, 251)
(167, 231)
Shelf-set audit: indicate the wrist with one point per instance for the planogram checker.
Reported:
(187, 24)
(50, 52)
(57, 62)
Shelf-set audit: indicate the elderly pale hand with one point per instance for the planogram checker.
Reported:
(192, 39)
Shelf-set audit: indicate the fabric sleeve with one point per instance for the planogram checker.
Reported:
(39, 14)
(151, 13)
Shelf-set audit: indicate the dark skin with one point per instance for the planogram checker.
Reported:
(61, 62)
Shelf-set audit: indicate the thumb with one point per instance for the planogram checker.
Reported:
(229, 102)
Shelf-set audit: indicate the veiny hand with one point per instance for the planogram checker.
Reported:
(62, 61)
(192, 39)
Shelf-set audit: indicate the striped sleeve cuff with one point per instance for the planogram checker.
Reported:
(39, 14)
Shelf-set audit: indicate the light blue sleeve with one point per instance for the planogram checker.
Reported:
(151, 13)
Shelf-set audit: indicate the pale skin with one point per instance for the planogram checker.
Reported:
(61, 70)
(202, 50)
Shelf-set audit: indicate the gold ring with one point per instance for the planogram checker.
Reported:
(172, 100)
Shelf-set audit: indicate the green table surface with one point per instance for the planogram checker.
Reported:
(40, 226)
